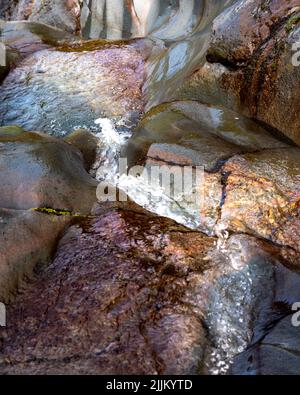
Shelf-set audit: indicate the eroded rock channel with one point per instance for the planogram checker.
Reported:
(155, 284)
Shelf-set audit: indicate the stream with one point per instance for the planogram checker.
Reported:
(128, 67)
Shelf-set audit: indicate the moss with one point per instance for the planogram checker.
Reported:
(92, 45)
(279, 46)
(274, 65)
(292, 22)
(8, 131)
(57, 212)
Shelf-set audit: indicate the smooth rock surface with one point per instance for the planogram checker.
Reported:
(87, 143)
(274, 347)
(190, 133)
(253, 64)
(27, 238)
(246, 277)
(39, 171)
(22, 38)
(180, 135)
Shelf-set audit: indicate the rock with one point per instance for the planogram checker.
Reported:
(189, 134)
(39, 171)
(116, 19)
(277, 354)
(248, 25)
(27, 238)
(274, 348)
(24, 38)
(252, 289)
(251, 66)
(6, 8)
(62, 14)
(214, 84)
(59, 90)
(117, 299)
(27, 37)
(87, 143)
(262, 195)
(132, 293)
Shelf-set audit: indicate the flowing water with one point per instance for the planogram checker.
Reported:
(179, 32)
(180, 42)
(180, 37)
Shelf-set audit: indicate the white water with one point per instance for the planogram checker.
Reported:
(227, 317)
(233, 288)
(112, 137)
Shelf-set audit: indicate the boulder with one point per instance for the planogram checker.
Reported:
(27, 239)
(62, 14)
(116, 300)
(189, 134)
(274, 347)
(277, 354)
(253, 64)
(59, 90)
(248, 289)
(87, 143)
(262, 195)
(39, 171)
(23, 38)
(132, 293)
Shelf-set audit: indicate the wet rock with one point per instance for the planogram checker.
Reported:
(27, 238)
(190, 133)
(62, 14)
(115, 19)
(24, 38)
(11, 131)
(274, 347)
(87, 143)
(27, 37)
(277, 354)
(251, 290)
(39, 171)
(251, 64)
(214, 84)
(130, 292)
(262, 195)
(248, 25)
(117, 299)
(59, 90)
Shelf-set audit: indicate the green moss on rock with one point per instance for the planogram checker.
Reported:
(11, 131)
(292, 22)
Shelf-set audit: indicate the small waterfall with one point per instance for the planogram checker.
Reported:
(176, 53)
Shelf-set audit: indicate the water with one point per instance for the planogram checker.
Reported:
(175, 55)
(180, 39)
(179, 33)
